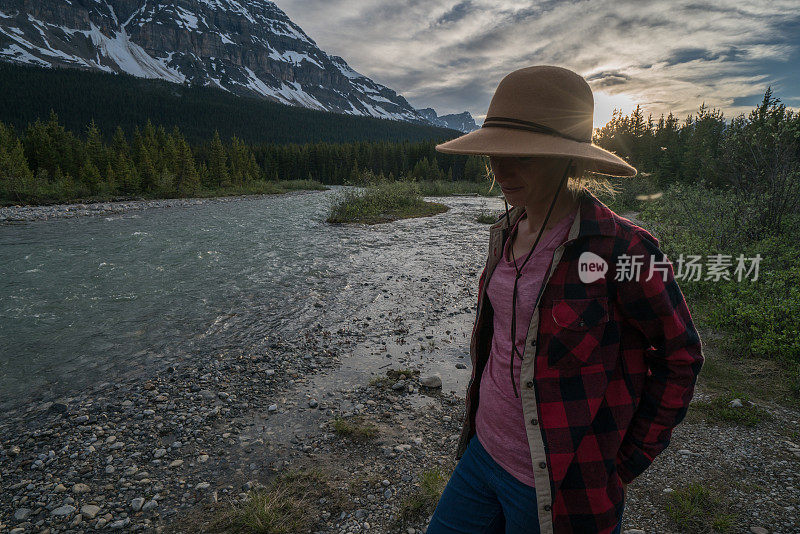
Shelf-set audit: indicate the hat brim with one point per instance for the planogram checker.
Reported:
(499, 141)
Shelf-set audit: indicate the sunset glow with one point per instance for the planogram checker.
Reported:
(605, 104)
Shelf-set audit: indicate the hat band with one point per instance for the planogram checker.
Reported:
(530, 126)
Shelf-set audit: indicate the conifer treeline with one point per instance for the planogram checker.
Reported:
(48, 163)
(758, 154)
(706, 148)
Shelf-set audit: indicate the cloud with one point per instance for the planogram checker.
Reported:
(604, 79)
(667, 55)
(454, 14)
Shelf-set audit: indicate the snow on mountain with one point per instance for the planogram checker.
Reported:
(247, 47)
(456, 121)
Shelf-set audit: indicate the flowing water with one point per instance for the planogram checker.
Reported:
(97, 298)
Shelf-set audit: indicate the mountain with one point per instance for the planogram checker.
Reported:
(246, 47)
(455, 121)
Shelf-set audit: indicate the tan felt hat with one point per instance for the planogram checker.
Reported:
(541, 110)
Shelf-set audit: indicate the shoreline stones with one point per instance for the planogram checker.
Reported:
(431, 381)
(233, 442)
(11, 214)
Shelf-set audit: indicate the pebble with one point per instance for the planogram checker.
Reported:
(137, 503)
(431, 381)
(90, 510)
(121, 523)
(80, 488)
(62, 510)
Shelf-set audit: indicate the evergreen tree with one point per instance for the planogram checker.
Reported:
(16, 178)
(217, 163)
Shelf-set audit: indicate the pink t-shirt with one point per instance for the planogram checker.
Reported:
(499, 421)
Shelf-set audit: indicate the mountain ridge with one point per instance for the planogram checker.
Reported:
(246, 47)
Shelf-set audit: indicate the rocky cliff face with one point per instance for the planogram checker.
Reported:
(248, 47)
(457, 121)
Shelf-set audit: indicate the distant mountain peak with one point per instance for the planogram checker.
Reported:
(247, 47)
(463, 121)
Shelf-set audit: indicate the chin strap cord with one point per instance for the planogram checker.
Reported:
(514, 350)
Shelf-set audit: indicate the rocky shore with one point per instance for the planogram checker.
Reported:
(68, 211)
(156, 455)
(360, 401)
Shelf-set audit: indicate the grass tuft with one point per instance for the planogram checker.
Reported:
(696, 508)
(422, 503)
(356, 428)
(486, 217)
(718, 411)
(289, 504)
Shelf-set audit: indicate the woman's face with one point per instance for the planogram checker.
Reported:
(524, 180)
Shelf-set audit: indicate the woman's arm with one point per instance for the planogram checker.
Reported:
(657, 308)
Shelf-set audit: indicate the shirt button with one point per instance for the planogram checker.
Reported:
(542, 464)
(534, 422)
(533, 342)
(529, 383)
(547, 507)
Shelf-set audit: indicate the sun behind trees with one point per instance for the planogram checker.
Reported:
(755, 156)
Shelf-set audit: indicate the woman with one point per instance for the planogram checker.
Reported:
(604, 355)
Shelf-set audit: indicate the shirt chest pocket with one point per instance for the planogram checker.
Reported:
(580, 332)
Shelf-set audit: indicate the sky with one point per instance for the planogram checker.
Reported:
(666, 55)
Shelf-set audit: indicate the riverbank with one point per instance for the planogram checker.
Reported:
(65, 211)
(174, 447)
(176, 451)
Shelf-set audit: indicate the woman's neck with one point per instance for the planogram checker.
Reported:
(535, 213)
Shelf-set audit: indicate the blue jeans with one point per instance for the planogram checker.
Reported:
(483, 498)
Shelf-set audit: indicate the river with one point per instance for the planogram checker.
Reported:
(96, 298)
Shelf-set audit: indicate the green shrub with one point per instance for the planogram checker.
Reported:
(384, 202)
(759, 316)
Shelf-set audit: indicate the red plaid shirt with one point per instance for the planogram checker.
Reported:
(614, 370)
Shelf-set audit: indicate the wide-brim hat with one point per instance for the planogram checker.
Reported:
(541, 111)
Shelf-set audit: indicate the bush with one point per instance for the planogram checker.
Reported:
(759, 315)
(384, 202)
